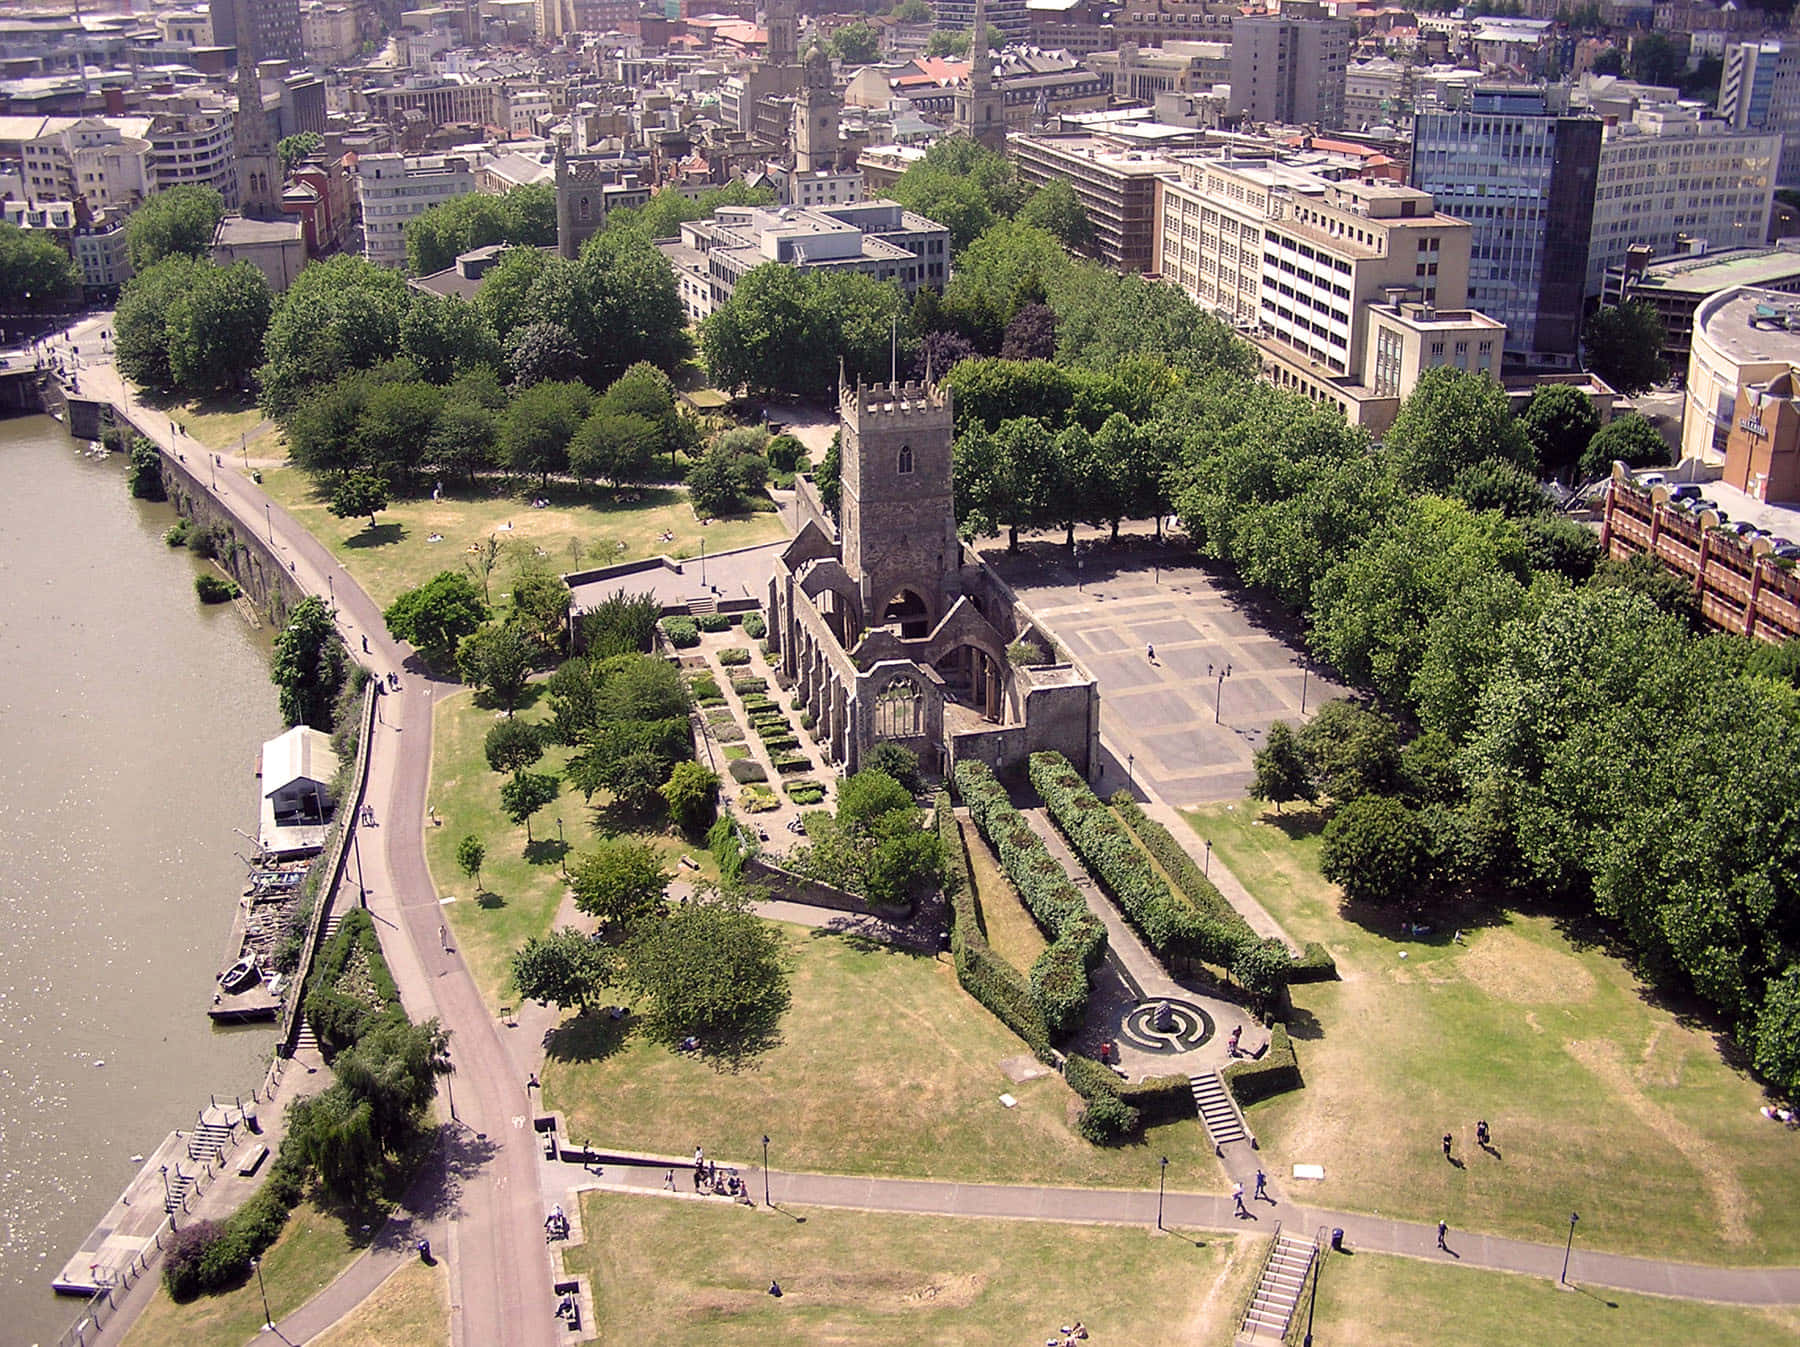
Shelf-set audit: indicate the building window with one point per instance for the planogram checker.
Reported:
(906, 460)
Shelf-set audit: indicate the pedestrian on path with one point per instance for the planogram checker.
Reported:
(365, 640)
(1446, 1145)
(669, 1180)
(1443, 1241)
(1237, 1197)
(1150, 652)
(1261, 1191)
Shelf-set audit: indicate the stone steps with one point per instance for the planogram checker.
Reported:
(1278, 1289)
(1213, 1102)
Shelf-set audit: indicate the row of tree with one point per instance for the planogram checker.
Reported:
(524, 216)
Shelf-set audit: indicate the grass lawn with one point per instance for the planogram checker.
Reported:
(669, 1274)
(1601, 1100)
(1369, 1300)
(1010, 929)
(521, 883)
(885, 1066)
(309, 1255)
(218, 423)
(578, 529)
(412, 1307)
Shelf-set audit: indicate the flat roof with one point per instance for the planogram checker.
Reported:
(1721, 270)
(1726, 322)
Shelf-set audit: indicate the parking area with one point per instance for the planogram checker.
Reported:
(1186, 722)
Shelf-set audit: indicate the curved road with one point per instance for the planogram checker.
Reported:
(500, 1269)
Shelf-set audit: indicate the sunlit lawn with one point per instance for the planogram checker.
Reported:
(1010, 929)
(218, 423)
(579, 528)
(521, 883)
(670, 1274)
(311, 1252)
(884, 1066)
(412, 1307)
(1601, 1100)
(1368, 1300)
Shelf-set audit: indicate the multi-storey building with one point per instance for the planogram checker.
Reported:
(394, 188)
(91, 159)
(1139, 74)
(1116, 187)
(329, 33)
(101, 253)
(1676, 288)
(878, 238)
(1523, 176)
(1151, 23)
(1290, 70)
(1010, 18)
(442, 100)
(1674, 180)
(1760, 91)
(194, 146)
(277, 24)
(1079, 27)
(1378, 91)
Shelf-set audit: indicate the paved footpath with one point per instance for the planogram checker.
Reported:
(644, 1176)
(488, 1203)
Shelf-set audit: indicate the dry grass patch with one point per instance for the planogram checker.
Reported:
(410, 1309)
(1010, 929)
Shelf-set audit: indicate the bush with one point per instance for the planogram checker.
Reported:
(681, 632)
(1025, 652)
(729, 846)
(807, 721)
(1059, 977)
(1107, 1119)
(143, 475)
(987, 977)
(1275, 1072)
(792, 762)
(897, 761)
(758, 706)
(706, 690)
(713, 621)
(749, 685)
(215, 588)
(181, 1260)
(754, 626)
(733, 655)
(176, 535)
(757, 800)
(804, 791)
(744, 771)
(338, 1011)
(776, 743)
(1315, 964)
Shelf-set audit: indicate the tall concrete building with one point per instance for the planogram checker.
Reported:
(1760, 91)
(816, 117)
(273, 24)
(1010, 18)
(396, 188)
(1287, 69)
(1523, 175)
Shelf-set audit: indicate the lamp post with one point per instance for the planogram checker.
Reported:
(268, 1319)
(1206, 870)
(1218, 696)
(562, 846)
(1569, 1248)
(766, 1201)
(1130, 759)
(168, 1197)
(1305, 669)
(1161, 1175)
(1313, 1301)
(362, 892)
(269, 519)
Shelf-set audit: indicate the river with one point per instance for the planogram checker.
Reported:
(130, 718)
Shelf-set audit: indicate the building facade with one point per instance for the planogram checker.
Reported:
(89, 160)
(394, 189)
(1290, 70)
(274, 23)
(1760, 91)
(1524, 177)
(195, 147)
(329, 33)
(1742, 337)
(1116, 187)
(1010, 18)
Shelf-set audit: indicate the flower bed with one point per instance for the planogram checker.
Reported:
(757, 799)
(733, 655)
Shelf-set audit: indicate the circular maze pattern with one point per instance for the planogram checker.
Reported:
(1189, 1027)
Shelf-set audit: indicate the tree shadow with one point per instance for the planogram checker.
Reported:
(590, 1036)
(1307, 821)
(436, 1193)
(382, 535)
(489, 901)
(529, 696)
(546, 850)
(1302, 1024)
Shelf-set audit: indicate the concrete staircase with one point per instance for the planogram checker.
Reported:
(701, 607)
(1224, 1124)
(304, 1038)
(1278, 1289)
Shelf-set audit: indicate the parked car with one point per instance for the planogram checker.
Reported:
(1685, 491)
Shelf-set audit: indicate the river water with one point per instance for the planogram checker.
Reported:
(130, 718)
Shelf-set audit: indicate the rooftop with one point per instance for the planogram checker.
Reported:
(236, 231)
(1745, 324)
(1721, 270)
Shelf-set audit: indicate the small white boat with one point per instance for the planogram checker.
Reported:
(240, 975)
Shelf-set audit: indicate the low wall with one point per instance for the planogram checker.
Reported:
(794, 888)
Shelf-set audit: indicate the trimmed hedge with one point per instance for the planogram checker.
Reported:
(748, 684)
(337, 1018)
(983, 974)
(743, 771)
(1315, 964)
(729, 845)
(706, 690)
(792, 762)
(805, 792)
(1059, 977)
(681, 632)
(733, 655)
(1275, 1072)
(754, 626)
(713, 621)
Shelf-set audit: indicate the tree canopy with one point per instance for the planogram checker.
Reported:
(175, 222)
(524, 216)
(1623, 344)
(34, 272)
(437, 615)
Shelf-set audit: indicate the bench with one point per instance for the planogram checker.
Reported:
(252, 1160)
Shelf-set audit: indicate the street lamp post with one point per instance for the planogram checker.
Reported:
(1305, 669)
(269, 519)
(562, 847)
(703, 563)
(268, 1319)
(168, 1197)
(1161, 1175)
(1218, 696)
(1130, 759)
(1569, 1248)
(766, 1201)
(362, 892)
(1206, 870)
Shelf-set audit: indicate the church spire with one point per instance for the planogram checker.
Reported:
(981, 71)
(259, 177)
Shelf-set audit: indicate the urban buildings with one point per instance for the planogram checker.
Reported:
(395, 188)
(1290, 70)
(1742, 337)
(878, 238)
(1117, 187)
(275, 25)
(195, 146)
(1676, 288)
(1760, 91)
(329, 33)
(101, 162)
(1010, 18)
(1523, 176)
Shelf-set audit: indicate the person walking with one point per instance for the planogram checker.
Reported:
(1261, 1180)
(1150, 652)
(1481, 1133)
(1237, 1198)
(1446, 1145)
(669, 1180)
(1443, 1231)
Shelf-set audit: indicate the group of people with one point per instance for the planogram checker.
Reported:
(1484, 1138)
(709, 1178)
(556, 1224)
(1068, 1335)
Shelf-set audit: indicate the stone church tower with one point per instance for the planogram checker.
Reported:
(898, 509)
(259, 171)
(816, 116)
(978, 108)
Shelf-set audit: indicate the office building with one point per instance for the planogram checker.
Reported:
(1742, 337)
(1290, 70)
(1760, 91)
(276, 25)
(196, 146)
(1117, 188)
(329, 33)
(394, 189)
(90, 159)
(1523, 175)
(1676, 288)
(1010, 18)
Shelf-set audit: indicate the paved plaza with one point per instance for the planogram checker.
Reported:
(1157, 717)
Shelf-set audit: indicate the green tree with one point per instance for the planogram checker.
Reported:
(1502, 486)
(446, 335)
(396, 425)
(334, 1135)
(1655, 59)
(1559, 420)
(1281, 772)
(621, 883)
(465, 439)
(911, 11)
(663, 215)
(541, 604)
(512, 745)
(504, 296)
(34, 272)
(523, 216)
(869, 796)
(175, 222)
(1624, 345)
(1453, 419)
(856, 43)
(616, 449)
(291, 150)
(543, 419)
(471, 852)
(1056, 210)
(691, 794)
(542, 353)
(621, 624)
(711, 969)
(141, 321)
(216, 328)
(1352, 750)
(1375, 850)
(642, 688)
(308, 665)
(437, 615)
(1777, 1032)
(496, 659)
(563, 969)
(359, 494)
(1011, 264)
(144, 473)
(339, 315)
(1630, 439)
(524, 793)
(896, 761)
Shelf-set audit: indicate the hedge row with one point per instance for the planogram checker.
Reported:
(983, 974)
(1275, 1072)
(1153, 1099)
(1059, 977)
(337, 1018)
(681, 632)
(212, 1257)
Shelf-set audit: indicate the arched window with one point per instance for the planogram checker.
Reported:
(906, 460)
(899, 710)
(587, 209)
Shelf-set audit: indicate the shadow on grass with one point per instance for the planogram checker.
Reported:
(1299, 823)
(528, 697)
(1302, 1024)
(591, 1036)
(489, 901)
(546, 850)
(381, 535)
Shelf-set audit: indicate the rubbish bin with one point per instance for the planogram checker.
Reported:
(1337, 1238)
(944, 939)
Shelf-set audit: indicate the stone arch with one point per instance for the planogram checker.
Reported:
(908, 607)
(899, 708)
(835, 597)
(974, 676)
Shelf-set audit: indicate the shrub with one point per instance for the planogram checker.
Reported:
(735, 752)
(729, 846)
(1059, 977)
(215, 589)
(1275, 1072)
(1025, 652)
(713, 621)
(806, 720)
(987, 977)
(744, 771)
(181, 1261)
(733, 655)
(754, 626)
(750, 686)
(338, 1008)
(727, 731)
(681, 632)
(706, 690)
(775, 743)
(792, 762)
(803, 791)
(757, 799)
(143, 475)
(176, 535)
(1315, 964)
(1107, 1119)
(758, 706)
(897, 761)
